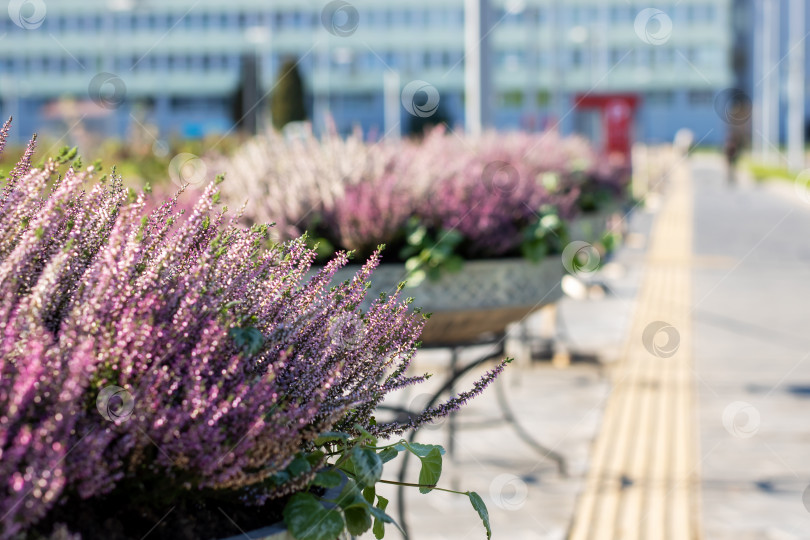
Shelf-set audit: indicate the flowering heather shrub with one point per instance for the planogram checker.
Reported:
(292, 182)
(356, 195)
(181, 357)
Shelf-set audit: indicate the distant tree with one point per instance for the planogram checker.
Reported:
(287, 101)
(246, 99)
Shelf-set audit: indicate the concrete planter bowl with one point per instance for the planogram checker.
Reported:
(479, 301)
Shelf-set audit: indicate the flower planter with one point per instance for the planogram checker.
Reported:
(483, 298)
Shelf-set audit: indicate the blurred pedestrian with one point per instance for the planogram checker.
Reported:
(732, 151)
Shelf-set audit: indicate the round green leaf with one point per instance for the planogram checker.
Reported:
(368, 466)
(307, 519)
(358, 519)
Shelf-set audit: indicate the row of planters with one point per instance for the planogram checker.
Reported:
(475, 226)
(178, 373)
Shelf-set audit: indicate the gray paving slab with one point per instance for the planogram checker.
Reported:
(752, 352)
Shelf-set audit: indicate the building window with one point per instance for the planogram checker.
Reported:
(446, 59)
(577, 58)
(690, 13)
(664, 56)
(513, 98)
(660, 97)
(542, 15)
(511, 60)
(643, 57)
(701, 97)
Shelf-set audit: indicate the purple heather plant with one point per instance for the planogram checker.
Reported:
(356, 195)
(184, 355)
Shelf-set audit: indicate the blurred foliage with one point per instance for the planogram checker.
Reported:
(429, 255)
(762, 171)
(287, 103)
(139, 164)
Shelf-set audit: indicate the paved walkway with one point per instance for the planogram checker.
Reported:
(709, 442)
(751, 315)
(736, 297)
(642, 478)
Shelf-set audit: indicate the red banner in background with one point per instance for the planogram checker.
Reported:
(617, 112)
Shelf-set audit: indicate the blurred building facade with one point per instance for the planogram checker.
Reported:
(178, 64)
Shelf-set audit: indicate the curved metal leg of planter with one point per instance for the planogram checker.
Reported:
(521, 432)
(508, 415)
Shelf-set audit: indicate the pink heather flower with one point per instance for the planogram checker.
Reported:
(137, 345)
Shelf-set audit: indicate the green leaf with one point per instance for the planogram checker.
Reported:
(380, 521)
(350, 495)
(330, 436)
(348, 467)
(368, 466)
(416, 278)
(431, 470)
(422, 450)
(413, 264)
(417, 236)
(358, 519)
(329, 478)
(451, 236)
(315, 458)
(434, 273)
(299, 466)
(307, 519)
(369, 493)
(249, 339)
(388, 454)
(534, 251)
(481, 508)
(454, 263)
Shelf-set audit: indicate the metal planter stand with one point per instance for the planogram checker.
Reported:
(473, 308)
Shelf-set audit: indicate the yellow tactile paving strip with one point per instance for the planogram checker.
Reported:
(643, 478)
